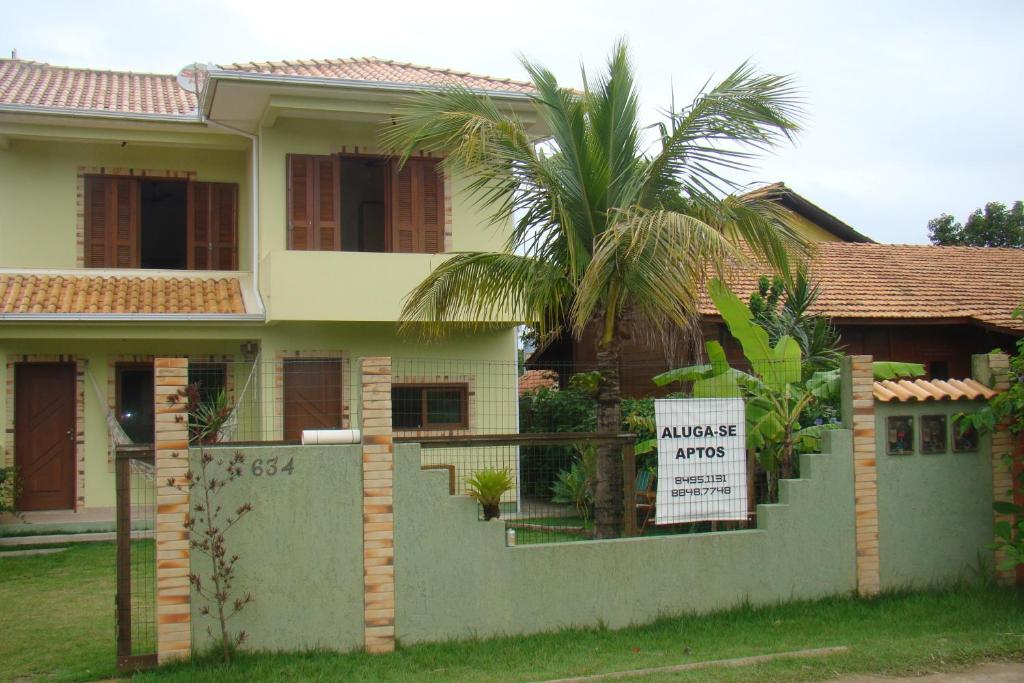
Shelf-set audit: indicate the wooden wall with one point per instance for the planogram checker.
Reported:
(931, 345)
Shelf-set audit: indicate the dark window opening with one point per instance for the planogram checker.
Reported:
(135, 401)
(163, 229)
(210, 379)
(363, 192)
(430, 406)
(938, 369)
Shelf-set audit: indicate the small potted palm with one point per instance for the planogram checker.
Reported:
(487, 487)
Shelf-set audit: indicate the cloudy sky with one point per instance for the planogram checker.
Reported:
(915, 108)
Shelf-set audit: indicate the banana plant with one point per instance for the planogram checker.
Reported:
(776, 395)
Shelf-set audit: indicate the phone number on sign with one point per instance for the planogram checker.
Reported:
(700, 479)
(705, 491)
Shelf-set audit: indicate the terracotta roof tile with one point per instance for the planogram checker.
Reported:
(373, 69)
(43, 85)
(935, 390)
(911, 282)
(535, 379)
(107, 294)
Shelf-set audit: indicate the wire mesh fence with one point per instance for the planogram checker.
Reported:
(135, 522)
(710, 476)
(272, 399)
(492, 426)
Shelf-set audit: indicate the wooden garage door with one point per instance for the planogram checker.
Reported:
(312, 395)
(44, 435)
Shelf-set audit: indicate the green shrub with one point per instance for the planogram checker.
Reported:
(487, 487)
(575, 485)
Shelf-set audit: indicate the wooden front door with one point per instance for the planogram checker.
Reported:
(312, 395)
(44, 435)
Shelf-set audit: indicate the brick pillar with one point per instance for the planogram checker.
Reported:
(173, 611)
(859, 415)
(378, 510)
(993, 370)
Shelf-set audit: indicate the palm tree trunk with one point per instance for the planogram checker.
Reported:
(608, 503)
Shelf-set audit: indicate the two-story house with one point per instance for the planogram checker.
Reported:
(225, 214)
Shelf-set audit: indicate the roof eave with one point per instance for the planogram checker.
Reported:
(99, 114)
(132, 317)
(820, 217)
(340, 83)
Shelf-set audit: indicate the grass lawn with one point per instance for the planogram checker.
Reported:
(57, 624)
(57, 615)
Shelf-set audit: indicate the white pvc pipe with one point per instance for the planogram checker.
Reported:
(322, 437)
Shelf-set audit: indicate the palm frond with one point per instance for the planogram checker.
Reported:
(724, 129)
(767, 229)
(483, 289)
(653, 263)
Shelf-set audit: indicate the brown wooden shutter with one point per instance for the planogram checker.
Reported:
(328, 209)
(300, 201)
(225, 233)
(213, 226)
(97, 215)
(111, 222)
(126, 225)
(314, 202)
(199, 226)
(418, 207)
(405, 228)
(432, 206)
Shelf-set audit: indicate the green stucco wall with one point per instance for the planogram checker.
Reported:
(301, 555)
(455, 577)
(935, 510)
(39, 186)
(491, 356)
(294, 282)
(300, 550)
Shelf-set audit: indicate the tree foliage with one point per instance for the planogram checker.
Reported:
(1005, 408)
(994, 226)
(610, 235)
(783, 308)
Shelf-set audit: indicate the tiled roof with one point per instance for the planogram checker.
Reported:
(809, 210)
(37, 84)
(22, 293)
(41, 85)
(911, 282)
(376, 70)
(934, 390)
(532, 380)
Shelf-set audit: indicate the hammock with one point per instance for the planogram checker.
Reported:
(118, 437)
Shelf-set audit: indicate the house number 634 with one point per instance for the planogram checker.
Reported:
(270, 468)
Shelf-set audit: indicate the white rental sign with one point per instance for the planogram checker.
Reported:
(702, 460)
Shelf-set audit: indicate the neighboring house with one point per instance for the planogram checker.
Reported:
(917, 303)
(252, 214)
(813, 222)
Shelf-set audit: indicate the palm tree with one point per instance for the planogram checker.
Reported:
(605, 235)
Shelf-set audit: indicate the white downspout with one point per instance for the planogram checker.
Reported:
(255, 143)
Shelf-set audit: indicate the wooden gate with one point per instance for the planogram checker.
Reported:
(135, 600)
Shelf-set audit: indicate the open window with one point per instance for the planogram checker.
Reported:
(365, 203)
(160, 223)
